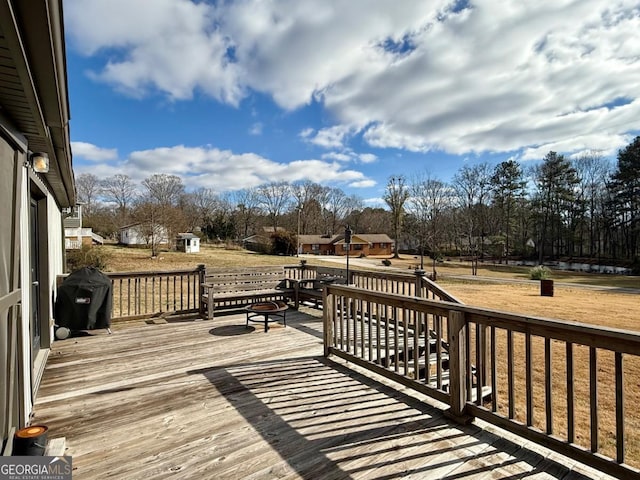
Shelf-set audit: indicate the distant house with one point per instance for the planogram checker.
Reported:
(317, 244)
(75, 236)
(143, 234)
(261, 241)
(367, 244)
(188, 243)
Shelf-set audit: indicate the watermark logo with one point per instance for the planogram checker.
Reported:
(35, 468)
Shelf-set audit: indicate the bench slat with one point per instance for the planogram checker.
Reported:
(234, 287)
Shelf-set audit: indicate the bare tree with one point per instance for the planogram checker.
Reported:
(246, 210)
(306, 196)
(370, 220)
(336, 209)
(163, 189)
(274, 199)
(593, 171)
(163, 194)
(122, 191)
(428, 200)
(88, 188)
(437, 200)
(149, 228)
(204, 202)
(395, 196)
(472, 185)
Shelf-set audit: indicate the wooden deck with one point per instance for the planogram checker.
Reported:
(214, 400)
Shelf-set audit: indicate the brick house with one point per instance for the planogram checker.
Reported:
(367, 244)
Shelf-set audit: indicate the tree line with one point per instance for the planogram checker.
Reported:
(585, 207)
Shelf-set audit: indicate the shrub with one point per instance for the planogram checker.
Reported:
(539, 272)
(87, 256)
(362, 255)
(386, 262)
(284, 243)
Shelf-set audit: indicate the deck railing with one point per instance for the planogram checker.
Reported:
(149, 294)
(561, 384)
(138, 295)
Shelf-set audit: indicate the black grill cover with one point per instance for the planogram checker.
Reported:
(84, 300)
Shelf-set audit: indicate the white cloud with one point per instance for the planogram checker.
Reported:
(607, 145)
(375, 202)
(223, 170)
(90, 152)
(363, 184)
(169, 46)
(256, 129)
(494, 77)
(306, 133)
(341, 157)
(332, 137)
(367, 157)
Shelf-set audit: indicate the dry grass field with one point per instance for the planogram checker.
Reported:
(597, 307)
(124, 259)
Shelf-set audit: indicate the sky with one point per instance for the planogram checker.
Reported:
(346, 93)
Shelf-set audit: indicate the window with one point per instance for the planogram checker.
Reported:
(315, 246)
(383, 245)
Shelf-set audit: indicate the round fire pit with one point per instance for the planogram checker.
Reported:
(269, 311)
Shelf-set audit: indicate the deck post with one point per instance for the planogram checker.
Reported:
(457, 333)
(201, 280)
(419, 273)
(328, 314)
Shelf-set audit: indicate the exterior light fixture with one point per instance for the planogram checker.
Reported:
(40, 162)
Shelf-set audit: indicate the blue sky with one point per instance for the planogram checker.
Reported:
(231, 95)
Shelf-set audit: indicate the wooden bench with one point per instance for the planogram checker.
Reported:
(233, 288)
(311, 289)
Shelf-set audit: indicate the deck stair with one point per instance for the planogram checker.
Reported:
(397, 362)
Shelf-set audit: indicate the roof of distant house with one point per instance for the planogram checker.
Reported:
(328, 240)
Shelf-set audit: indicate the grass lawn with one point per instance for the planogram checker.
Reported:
(125, 259)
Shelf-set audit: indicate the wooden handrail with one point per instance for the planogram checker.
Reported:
(384, 332)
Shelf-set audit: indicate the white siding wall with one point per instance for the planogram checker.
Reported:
(55, 267)
(56, 250)
(25, 285)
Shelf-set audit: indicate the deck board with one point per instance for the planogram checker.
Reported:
(213, 399)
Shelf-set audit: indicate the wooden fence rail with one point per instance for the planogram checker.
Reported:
(149, 294)
(561, 384)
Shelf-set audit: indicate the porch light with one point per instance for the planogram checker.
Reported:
(40, 162)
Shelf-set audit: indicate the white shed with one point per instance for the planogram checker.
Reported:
(188, 243)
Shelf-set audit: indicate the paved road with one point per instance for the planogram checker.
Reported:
(377, 265)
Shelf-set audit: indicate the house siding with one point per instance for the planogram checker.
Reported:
(380, 249)
(34, 118)
(323, 249)
(11, 378)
